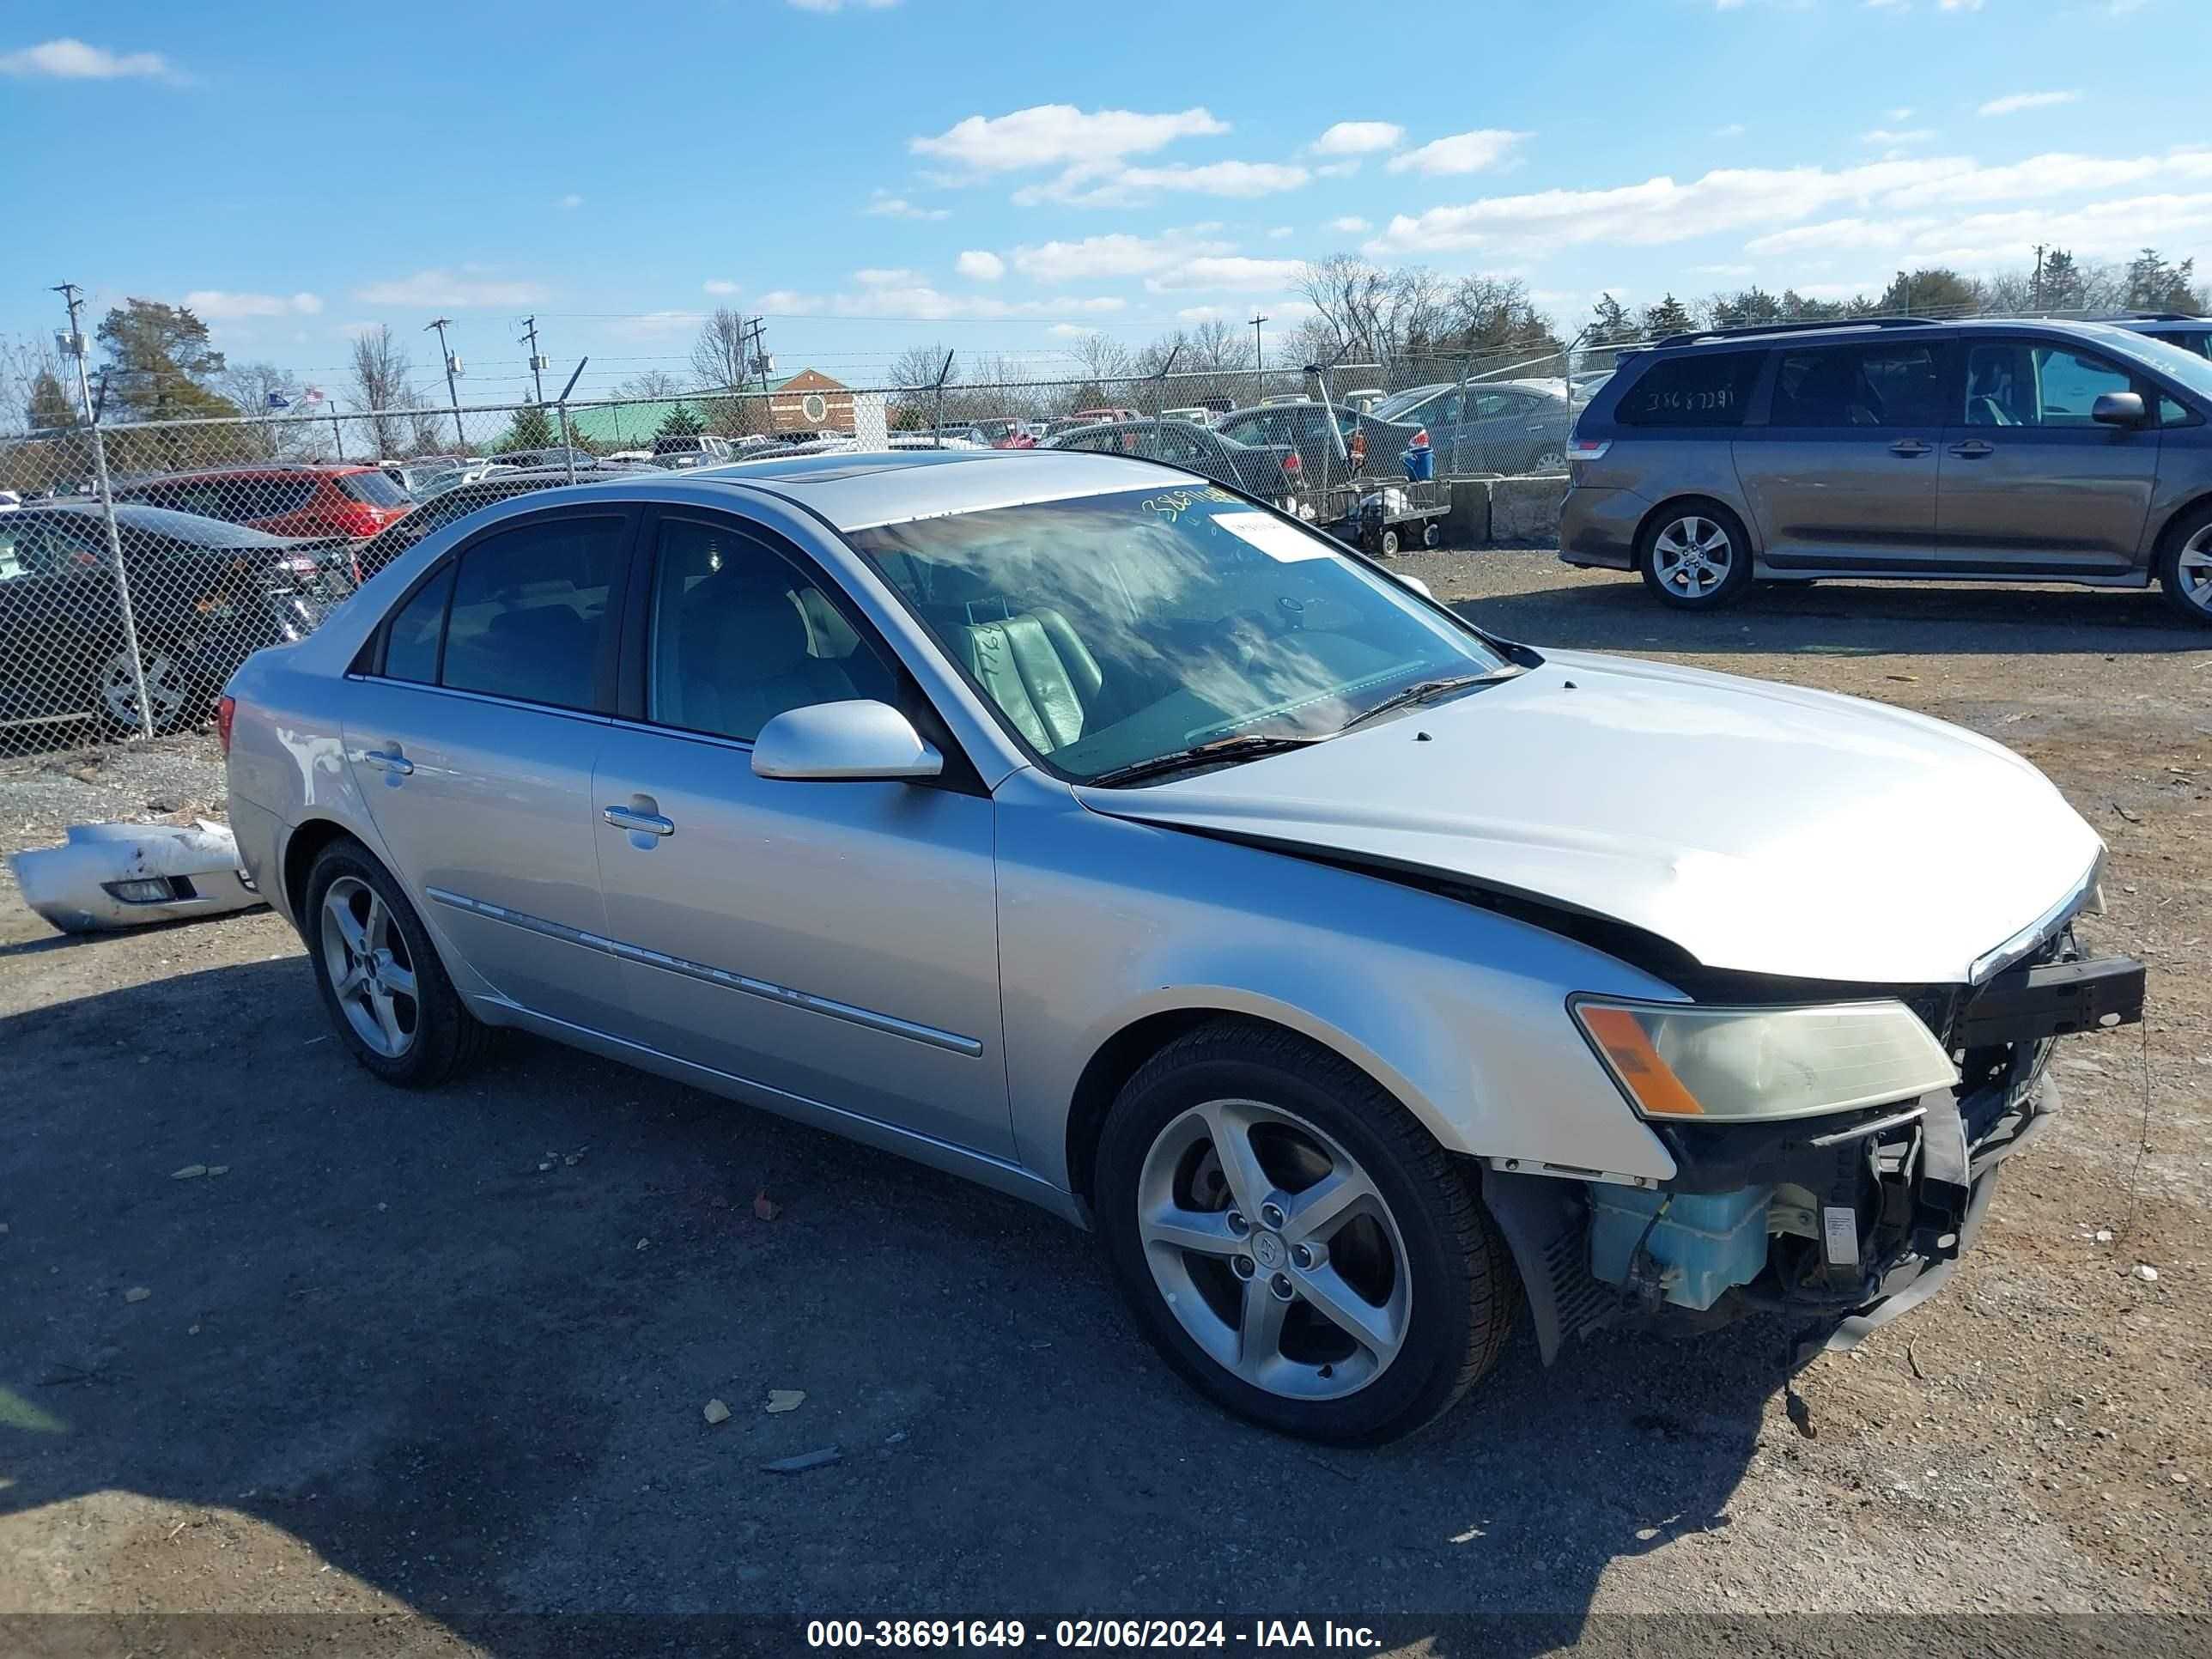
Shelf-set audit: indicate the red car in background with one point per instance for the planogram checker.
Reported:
(308, 500)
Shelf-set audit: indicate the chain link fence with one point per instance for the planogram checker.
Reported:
(140, 562)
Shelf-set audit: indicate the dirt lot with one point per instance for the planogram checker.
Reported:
(444, 1357)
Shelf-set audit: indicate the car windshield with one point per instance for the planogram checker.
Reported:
(1399, 404)
(190, 527)
(1112, 629)
(2169, 359)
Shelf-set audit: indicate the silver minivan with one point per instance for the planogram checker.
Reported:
(1898, 448)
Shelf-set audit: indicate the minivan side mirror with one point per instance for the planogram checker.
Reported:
(2117, 409)
(843, 742)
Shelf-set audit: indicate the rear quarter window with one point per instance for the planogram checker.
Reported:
(1695, 389)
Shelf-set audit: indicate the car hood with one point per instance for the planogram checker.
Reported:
(1759, 827)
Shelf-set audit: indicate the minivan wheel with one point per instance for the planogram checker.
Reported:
(1694, 555)
(2185, 570)
(1293, 1242)
(380, 979)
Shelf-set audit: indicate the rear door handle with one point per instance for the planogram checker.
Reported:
(644, 824)
(388, 760)
(1910, 447)
(1974, 449)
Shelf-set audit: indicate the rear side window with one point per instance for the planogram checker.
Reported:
(268, 498)
(410, 648)
(529, 616)
(1885, 384)
(372, 489)
(1697, 388)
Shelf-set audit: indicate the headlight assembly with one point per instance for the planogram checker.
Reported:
(1679, 1061)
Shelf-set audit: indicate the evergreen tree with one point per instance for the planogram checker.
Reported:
(160, 364)
(1669, 316)
(682, 422)
(50, 405)
(2155, 285)
(532, 429)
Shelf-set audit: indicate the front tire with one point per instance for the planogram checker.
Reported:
(1293, 1242)
(381, 983)
(1694, 555)
(168, 692)
(2184, 566)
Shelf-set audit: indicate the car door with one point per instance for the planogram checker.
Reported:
(2031, 482)
(472, 739)
(59, 621)
(835, 942)
(1844, 472)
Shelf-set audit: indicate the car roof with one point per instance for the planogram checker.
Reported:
(1759, 337)
(857, 490)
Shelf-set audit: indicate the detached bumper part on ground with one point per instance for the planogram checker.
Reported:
(110, 875)
(1838, 1223)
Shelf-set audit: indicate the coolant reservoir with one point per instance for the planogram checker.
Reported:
(1705, 1243)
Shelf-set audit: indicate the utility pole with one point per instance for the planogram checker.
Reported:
(754, 334)
(2036, 296)
(1259, 359)
(537, 365)
(452, 392)
(73, 297)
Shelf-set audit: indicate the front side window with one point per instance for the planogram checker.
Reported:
(2020, 383)
(1872, 385)
(740, 635)
(1111, 629)
(1696, 388)
(529, 616)
(410, 645)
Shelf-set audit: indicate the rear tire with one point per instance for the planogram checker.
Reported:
(1386, 543)
(1398, 1301)
(1431, 533)
(381, 983)
(2184, 566)
(1694, 555)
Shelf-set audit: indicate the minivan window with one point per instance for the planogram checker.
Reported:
(1865, 384)
(530, 610)
(1697, 388)
(2022, 383)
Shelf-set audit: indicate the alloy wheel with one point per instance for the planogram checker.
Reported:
(1274, 1249)
(164, 691)
(1693, 557)
(2194, 569)
(370, 972)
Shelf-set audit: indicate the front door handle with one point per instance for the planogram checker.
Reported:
(388, 760)
(1974, 449)
(637, 822)
(1910, 447)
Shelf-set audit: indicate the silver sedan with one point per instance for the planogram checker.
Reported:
(1079, 826)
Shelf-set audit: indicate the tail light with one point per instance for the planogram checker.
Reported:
(226, 710)
(1588, 449)
(1291, 465)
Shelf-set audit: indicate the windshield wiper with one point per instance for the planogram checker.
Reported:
(1240, 746)
(1422, 691)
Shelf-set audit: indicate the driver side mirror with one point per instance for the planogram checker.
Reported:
(2117, 409)
(847, 742)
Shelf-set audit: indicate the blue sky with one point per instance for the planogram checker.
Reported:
(1002, 177)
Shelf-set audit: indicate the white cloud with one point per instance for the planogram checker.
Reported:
(656, 325)
(1336, 170)
(981, 264)
(718, 285)
(918, 302)
(1762, 201)
(1055, 135)
(1069, 331)
(1097, 257)
(1888, 5)
(1463, 152)
(1958, 5)
(1905, 114)
(877, 277)
(1279, 232)
(2013, 103)
(429, 290)
(1358, 138)
(1089, 184)
(1987, 241)
(889, 206)
(1723, 271)
(1230, 272)
(216, 305)
(1350, 224)
(570, 201)
(72, 60)
(1733, 130)
(1200, 314)
(1893, 140)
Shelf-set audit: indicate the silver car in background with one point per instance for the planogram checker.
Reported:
(1084, 827)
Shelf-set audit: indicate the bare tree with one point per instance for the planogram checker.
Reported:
(719, 355)
(651, 383)
(381, 372)
(34, 392)
(1217, 342)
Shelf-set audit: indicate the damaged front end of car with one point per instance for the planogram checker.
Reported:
(1837, 1186)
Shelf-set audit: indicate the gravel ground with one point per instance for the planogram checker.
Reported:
(442, 1357)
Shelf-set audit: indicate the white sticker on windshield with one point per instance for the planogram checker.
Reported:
(1273, 538)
